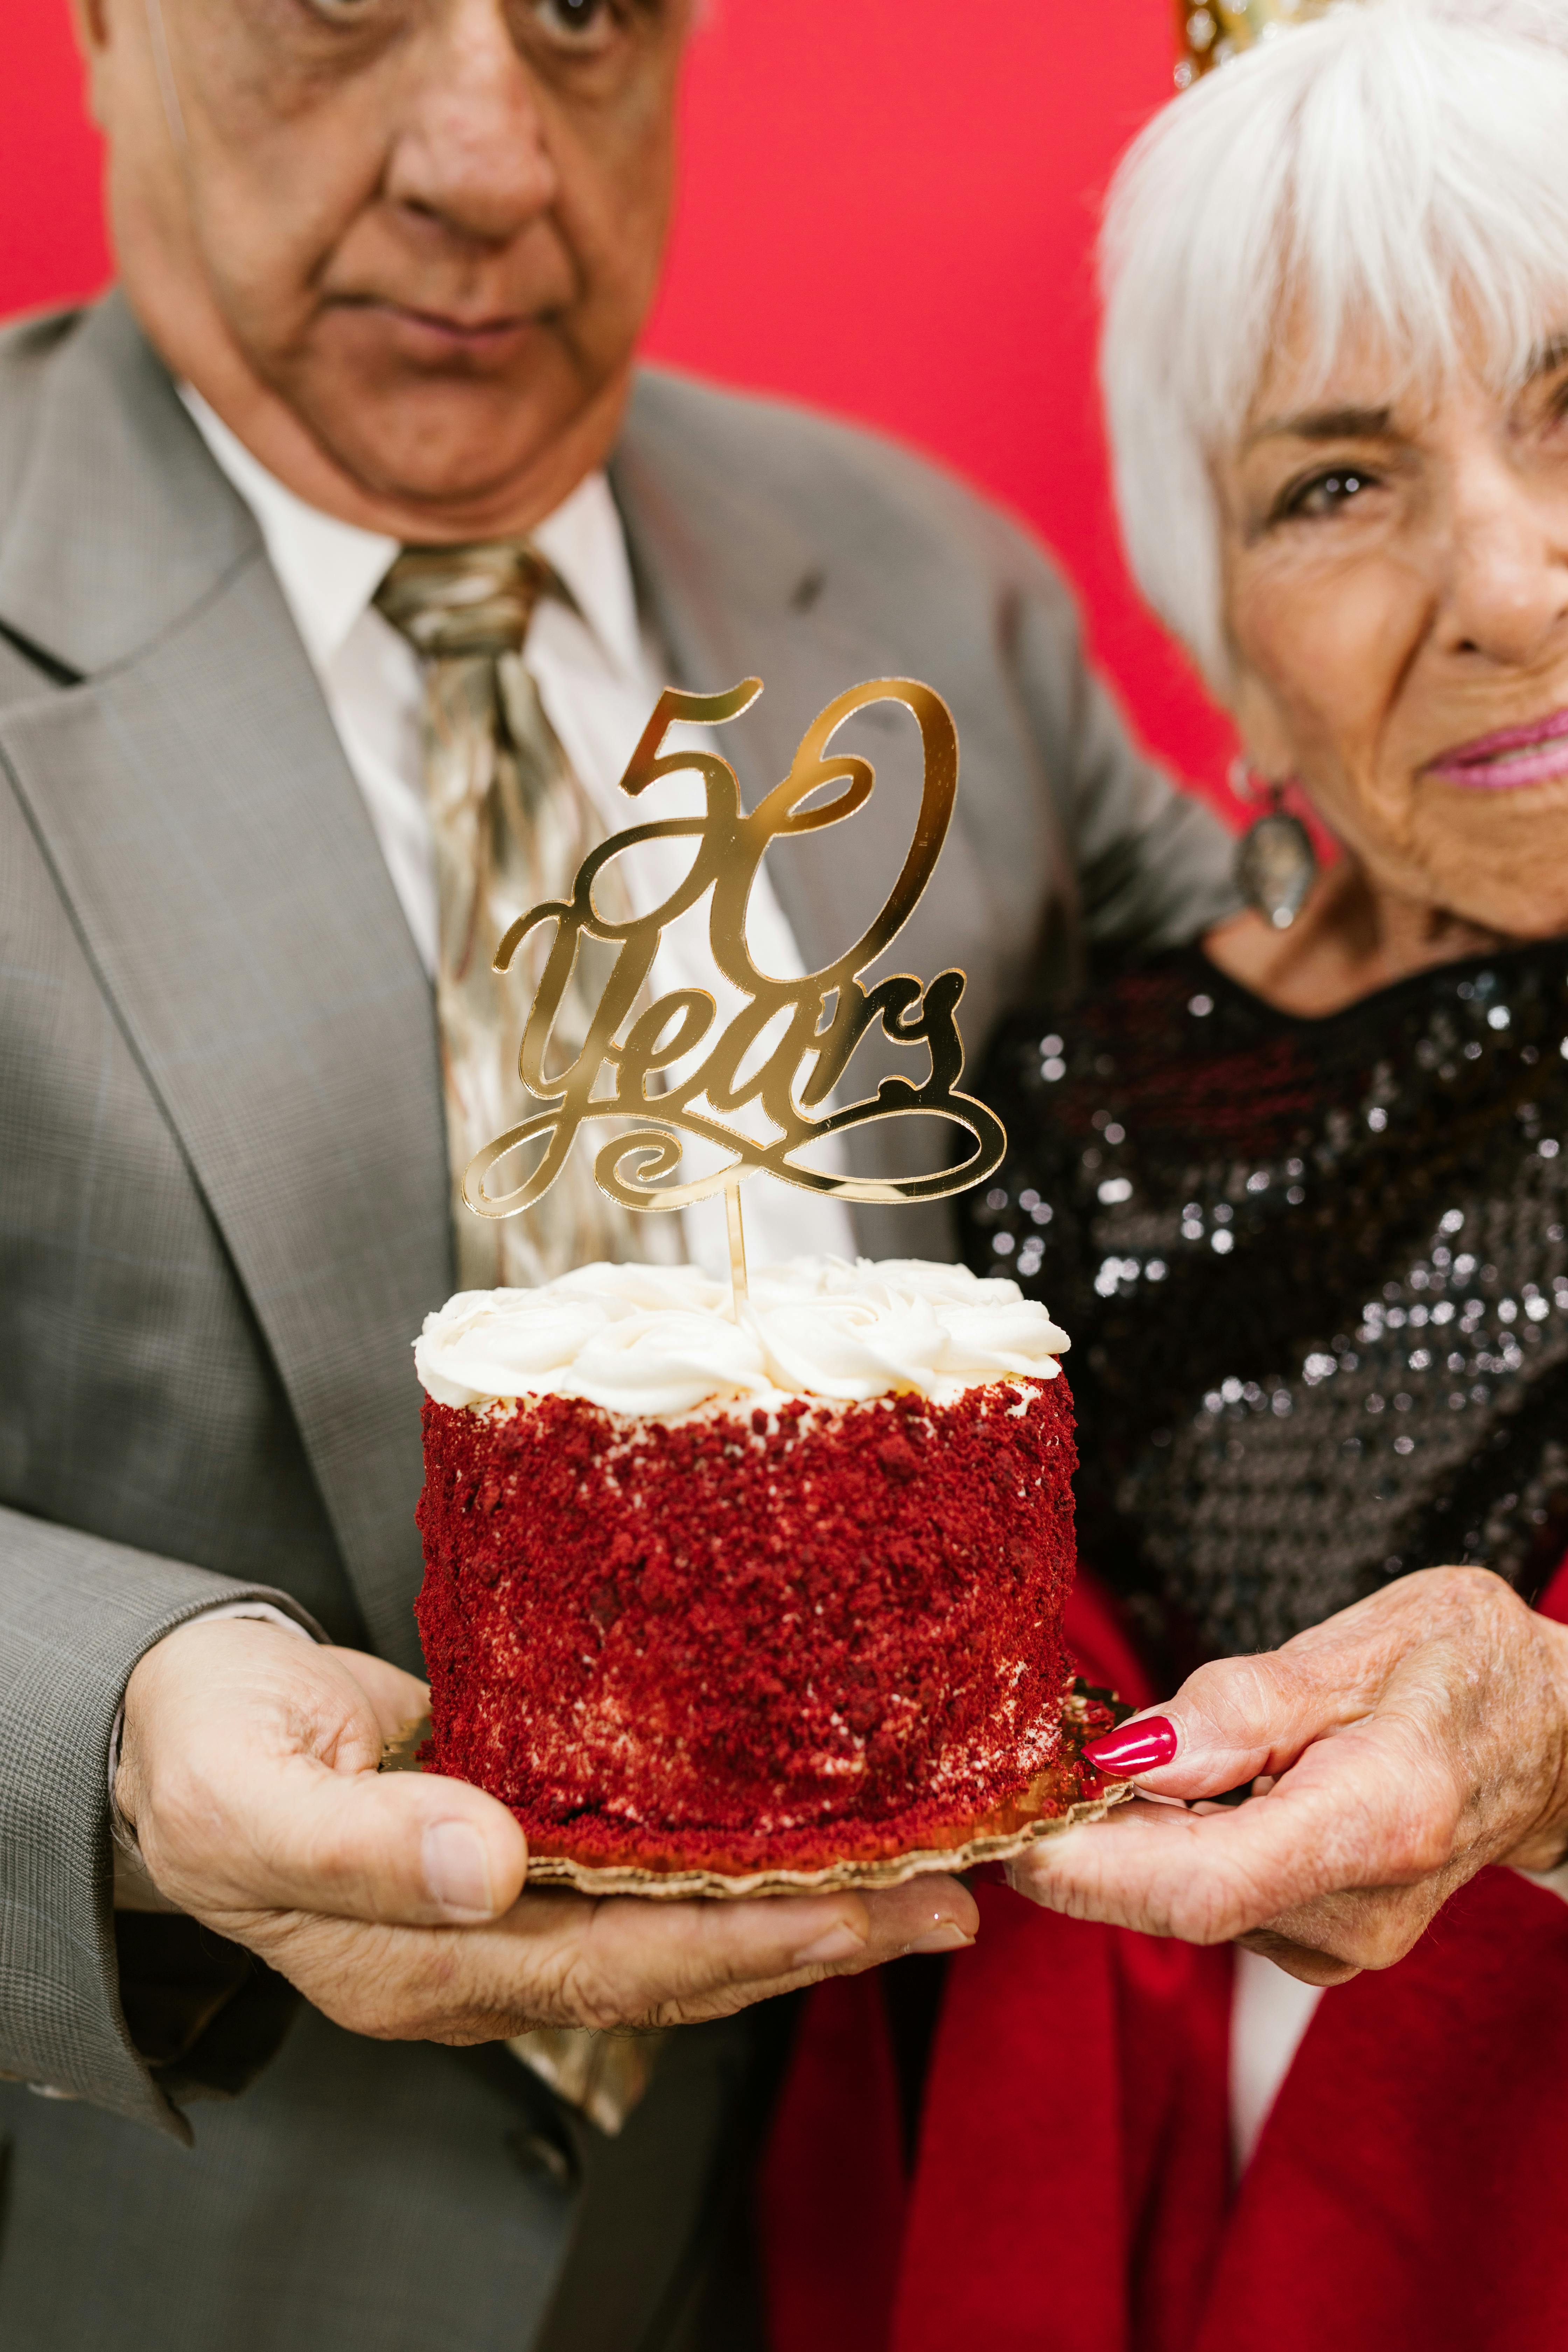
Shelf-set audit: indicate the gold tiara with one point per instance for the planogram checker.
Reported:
(1215, 30)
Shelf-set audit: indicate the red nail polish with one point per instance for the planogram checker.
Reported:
(1140, 1746)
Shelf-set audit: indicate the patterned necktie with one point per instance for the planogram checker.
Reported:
(512, 825)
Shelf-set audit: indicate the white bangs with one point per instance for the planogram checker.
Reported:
(1398, 168)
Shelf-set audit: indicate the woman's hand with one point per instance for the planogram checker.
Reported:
(1401, 1744)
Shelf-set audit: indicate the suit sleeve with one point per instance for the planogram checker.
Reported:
(1155, 864)
(76, 1615)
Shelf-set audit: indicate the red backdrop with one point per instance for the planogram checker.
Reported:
(887, 209)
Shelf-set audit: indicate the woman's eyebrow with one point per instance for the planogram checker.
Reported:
(1330, 424)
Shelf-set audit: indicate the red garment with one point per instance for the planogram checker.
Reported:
(1073, 2190)
(832, 2191)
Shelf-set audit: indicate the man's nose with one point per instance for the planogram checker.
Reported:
(471, 152)
(1508, 587)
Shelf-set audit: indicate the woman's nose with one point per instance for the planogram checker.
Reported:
(1508, 583)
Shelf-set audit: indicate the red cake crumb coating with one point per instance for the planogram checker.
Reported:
(731, 1635)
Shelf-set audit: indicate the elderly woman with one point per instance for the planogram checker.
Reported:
(1300, 1194)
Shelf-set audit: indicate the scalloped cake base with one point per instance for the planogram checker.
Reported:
(1068, 1793)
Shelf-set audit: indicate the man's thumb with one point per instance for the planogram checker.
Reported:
(411, 1849)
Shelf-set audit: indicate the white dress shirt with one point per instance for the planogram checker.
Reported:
(599, 675)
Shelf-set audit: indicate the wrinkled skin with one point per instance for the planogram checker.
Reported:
(1410, 1741)
(404, 247)
(1396, 569)
(248, 1773)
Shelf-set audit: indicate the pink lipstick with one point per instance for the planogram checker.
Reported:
(1510, 759)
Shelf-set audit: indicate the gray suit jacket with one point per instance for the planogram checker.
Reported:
(223, 1215)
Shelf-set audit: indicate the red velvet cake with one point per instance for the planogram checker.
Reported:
(736, 1597)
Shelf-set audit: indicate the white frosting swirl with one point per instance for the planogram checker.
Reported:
(655, 1341)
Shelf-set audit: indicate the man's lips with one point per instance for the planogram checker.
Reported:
(1505, 761)
(456, 333)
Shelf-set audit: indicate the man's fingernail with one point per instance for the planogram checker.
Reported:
(1140, 1746)
(840, 1943)
(949, 1937)
(457, 1870)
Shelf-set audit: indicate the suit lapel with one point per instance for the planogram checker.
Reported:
(716, 579)
(207, 834)
(735, 588)
(120, 523)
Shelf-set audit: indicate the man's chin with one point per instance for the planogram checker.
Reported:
(453, 445)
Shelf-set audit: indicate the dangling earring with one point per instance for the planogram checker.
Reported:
(1276, 865)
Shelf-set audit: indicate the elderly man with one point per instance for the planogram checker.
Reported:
(383, 267)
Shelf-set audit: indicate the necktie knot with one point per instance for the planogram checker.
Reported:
(449, 602)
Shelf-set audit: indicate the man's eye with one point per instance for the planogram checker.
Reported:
(584, 24)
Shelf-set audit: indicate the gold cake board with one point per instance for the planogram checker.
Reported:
(1046, 1808)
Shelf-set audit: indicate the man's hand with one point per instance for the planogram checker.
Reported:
(393, 1900)
(1401, 1744)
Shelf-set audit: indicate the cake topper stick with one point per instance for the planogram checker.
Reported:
(737, 1230)
(823, 1015)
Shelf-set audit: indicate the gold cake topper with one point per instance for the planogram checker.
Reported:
(825, 1013)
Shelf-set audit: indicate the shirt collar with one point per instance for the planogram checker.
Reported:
(328, 570)
(583, 539)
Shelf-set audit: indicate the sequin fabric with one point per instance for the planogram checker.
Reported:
(1316, 1278)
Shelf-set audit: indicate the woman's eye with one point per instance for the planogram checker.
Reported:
(1327, 493)
(583, 23)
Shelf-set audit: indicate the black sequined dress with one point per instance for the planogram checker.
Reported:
(1315, 1276)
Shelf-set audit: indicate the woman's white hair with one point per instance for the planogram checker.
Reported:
(1399, 165)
